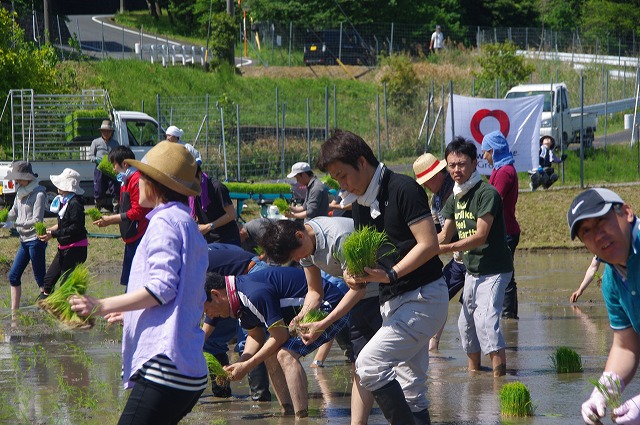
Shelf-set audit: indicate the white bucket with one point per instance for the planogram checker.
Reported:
(628, 120)
(137, 48)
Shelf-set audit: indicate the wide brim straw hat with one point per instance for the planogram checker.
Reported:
(21, 170)
(171, 165)
(67, 181)
(106, 125)
(427, 166)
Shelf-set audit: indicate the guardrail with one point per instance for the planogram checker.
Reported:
(164, 53)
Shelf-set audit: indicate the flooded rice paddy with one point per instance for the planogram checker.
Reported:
(49, 375)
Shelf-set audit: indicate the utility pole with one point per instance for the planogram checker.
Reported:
(121, 6)
(47, 23)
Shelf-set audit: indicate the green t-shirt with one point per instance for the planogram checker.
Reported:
(494, 255)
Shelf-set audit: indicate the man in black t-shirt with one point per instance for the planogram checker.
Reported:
(413, 294)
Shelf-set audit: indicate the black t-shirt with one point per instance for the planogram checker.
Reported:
(402, 203)
(218, 199)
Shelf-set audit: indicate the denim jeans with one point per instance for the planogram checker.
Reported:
(129, 253)
(33, 251)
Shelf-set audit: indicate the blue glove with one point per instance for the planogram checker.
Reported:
(97, 161)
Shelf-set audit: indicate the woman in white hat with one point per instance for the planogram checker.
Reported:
(174, 134)
(70, 229)
(162, 339)
(27, 210)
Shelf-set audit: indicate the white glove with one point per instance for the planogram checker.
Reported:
(596, 406)
(7, 225)
(629, 412)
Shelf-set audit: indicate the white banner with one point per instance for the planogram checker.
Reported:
(517, 119)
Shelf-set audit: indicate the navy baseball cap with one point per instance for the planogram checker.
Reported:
(590, 204)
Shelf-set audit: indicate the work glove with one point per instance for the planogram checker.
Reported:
(7, 225)
(629, 412)
(563, 157)
(596, 406)
(97, 161)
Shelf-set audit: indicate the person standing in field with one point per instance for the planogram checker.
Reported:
(70, 229)
(102, 183)
(495, 150)
(131, 216)
(393, 364)
(431, 173)
(27, 210)
(316, 201)
(610, 230)
(162, 361)
(437, 40)
(476, 211)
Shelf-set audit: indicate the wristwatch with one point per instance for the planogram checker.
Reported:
(211, 226)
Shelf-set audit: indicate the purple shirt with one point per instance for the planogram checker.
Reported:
(170, 263)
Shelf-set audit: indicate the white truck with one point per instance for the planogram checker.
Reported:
(54, 132)
(557, 116)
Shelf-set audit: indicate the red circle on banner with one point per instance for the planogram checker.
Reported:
(501, 116)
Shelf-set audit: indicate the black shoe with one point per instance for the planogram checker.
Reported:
(509, 316)
(42, 296)
(261, 397)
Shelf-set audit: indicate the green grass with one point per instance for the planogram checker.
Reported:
(566, 360)
(4, 213)
(515, 400)
(360, 249)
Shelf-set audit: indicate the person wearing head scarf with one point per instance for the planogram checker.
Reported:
(504, 178)
(162, 361)
(27, 210)
(174, 134)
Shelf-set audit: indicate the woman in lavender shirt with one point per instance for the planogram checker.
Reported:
(162, 340)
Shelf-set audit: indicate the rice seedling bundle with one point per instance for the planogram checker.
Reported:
(94, 213)
(216, 370)
(611, 390)
(360, 249)
(566, 360)
(283, 205)
(4, 214)
(515, 400)
(57, 304)
(331, 182)
(264, 188)
(106, 167)
(41, 228)
(314, 315)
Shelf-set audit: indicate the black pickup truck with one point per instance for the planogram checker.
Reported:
(327, 46)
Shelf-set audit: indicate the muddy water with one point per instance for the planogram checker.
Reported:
(48, 375)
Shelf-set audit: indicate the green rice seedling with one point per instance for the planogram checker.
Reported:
(41, 228)
(566, 360)
(216, 370)
(106, 167)
(94, 213)
(314, 315)
(331, 182)
(4, 214)
(283, 205)
(515, 400)
(57, 304)
(342, 376)
(611, 390)
(360, 249)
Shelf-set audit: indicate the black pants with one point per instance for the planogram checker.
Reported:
(151, 403)
(65, 260)
(510, 305)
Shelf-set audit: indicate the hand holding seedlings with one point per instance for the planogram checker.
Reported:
(236, 371)
(85, 305)
(311, 331)
(606, 393)
(628, 412)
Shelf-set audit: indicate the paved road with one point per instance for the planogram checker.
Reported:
(100, 38)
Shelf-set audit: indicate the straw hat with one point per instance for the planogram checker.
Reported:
(171, 165)
(21, 170)
(106, 125)
(67, 181)
(427, 166)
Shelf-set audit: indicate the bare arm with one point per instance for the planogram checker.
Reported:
(208, 330)
(279, 334)
(314, 330)
(623, 356)
(586, 281)
(447, 232)
(136, 300)
(483, 226)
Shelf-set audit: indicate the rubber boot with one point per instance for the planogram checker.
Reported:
(259, 383)
(422, 417)
(391, 400)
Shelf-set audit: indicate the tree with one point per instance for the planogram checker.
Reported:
(561, 15)
(500, 62)
(23, 64)
(610, 17)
